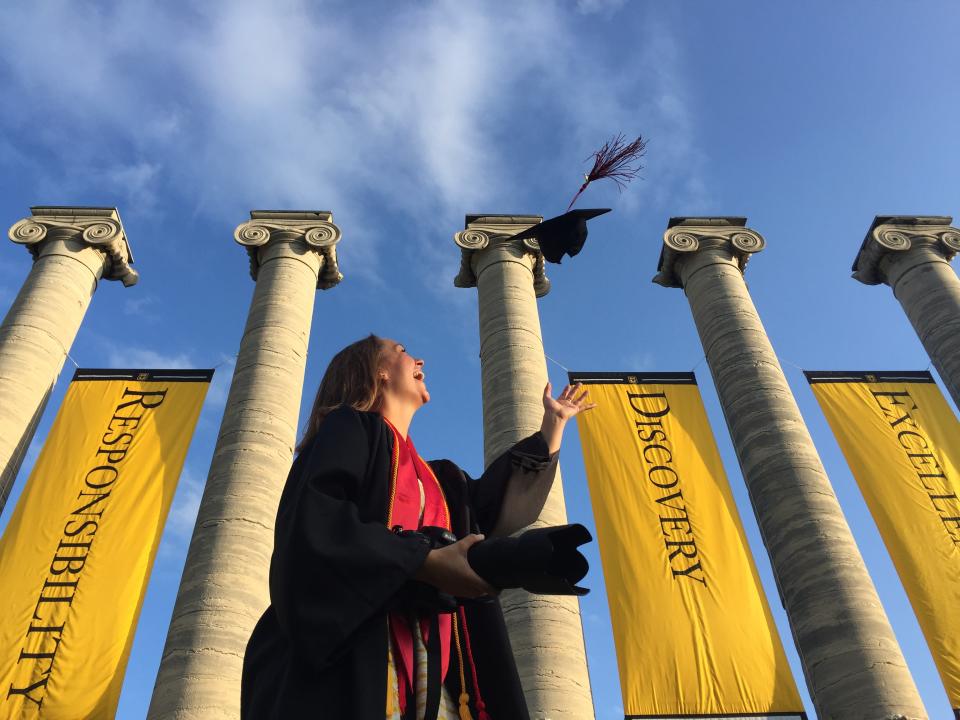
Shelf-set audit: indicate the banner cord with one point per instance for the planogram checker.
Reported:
(225, 361)
(72, 360)
(554, 361)
(699, 363)
(792, 364)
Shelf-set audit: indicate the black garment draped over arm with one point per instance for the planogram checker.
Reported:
(512, 490)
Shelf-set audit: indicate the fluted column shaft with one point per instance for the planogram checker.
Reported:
(45, 317)
(853, 665)
(224, 587)
(912, 255)
(545, 631)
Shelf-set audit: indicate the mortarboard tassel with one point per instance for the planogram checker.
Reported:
(613, 161)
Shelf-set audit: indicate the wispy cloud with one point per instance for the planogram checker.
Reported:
(237, 104)
(676, 164)
(604, 7)
(137, 183)
(639, 361)
(186, 503)
(133, 357)
(181, 519)
(220, 385)
(139, 307)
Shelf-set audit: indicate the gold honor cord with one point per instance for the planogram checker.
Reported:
(76, 555)
(691, 624)
(902, 443)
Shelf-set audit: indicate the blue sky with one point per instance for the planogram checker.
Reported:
(808, 118)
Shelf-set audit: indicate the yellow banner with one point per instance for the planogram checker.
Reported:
(902, 443)
(76, 555)
(693, 632)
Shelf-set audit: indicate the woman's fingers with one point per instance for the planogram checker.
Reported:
(448, 569)
(569, 394)
(466, 542)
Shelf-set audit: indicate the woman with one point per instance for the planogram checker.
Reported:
(342, 638)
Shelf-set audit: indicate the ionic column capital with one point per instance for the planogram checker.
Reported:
(495, 232)
(96, 227)
(688, 235)
(314, 228)
(896, 235)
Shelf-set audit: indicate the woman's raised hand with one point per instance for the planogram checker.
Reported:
(556, 412)
(570, 401)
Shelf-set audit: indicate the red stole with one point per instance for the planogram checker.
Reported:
(405, 511)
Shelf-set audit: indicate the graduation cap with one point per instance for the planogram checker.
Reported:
(563, 234)
(617, 160)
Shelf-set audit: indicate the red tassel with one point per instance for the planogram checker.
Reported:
(613, 161)
(482, 713)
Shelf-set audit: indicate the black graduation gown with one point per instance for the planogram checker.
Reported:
(320, 649)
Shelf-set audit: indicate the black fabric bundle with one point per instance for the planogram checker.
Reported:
(544, 561)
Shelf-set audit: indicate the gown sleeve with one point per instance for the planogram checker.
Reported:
(513, 489)
(332, 571)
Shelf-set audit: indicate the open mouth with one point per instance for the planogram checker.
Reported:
(418, 375)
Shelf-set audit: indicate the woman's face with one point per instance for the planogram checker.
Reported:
(402, 374)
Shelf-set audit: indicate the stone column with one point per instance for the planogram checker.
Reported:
(853, 665)
(224, 588)
(72, 249)
(912, 254)
(546, 632)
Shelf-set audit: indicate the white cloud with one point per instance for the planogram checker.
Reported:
(136, 358)
(180, 520)
(220, 385)
(186, 503)
(138, 306)
(238, 105)
(675, 165)
(137, 183)
(639, 362)
(605, 7)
